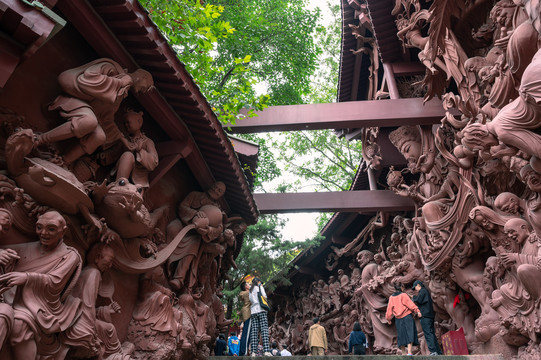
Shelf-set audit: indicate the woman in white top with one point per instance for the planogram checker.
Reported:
(258, 319)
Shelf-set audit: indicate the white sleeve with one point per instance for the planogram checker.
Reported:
(262, 289)
(253, 298)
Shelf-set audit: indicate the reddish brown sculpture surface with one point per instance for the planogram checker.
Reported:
(44, 276)
(475, 178)
(94, 197)
(93, 94)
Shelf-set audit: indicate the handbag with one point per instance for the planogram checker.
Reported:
(263, 301)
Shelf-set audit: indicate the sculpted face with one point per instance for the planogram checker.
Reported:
(217, 190)
(508, 203)
(411, 151)
(50, 229)
(517, 230)
(363, 259)
(105, 261)
(533, 180)
(5, 223)
(133, 121)
(480, 220)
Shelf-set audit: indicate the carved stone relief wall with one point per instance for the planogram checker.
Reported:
(474, 238)
(93, 262)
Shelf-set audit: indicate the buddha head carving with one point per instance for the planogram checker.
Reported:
(407, 140)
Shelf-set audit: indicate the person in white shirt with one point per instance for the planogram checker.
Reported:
(258, 319)
(285, 351)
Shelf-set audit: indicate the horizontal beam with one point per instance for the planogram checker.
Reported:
(408, 68)
(344, 115)
(342, 201)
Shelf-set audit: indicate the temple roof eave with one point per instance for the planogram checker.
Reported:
(182, 98)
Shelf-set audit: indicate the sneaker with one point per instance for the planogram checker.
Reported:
(254, 354)
(267, 353)
(433, 353)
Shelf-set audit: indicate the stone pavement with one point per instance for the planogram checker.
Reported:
(376, 357)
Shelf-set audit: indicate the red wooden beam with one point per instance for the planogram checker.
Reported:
(408, 68)
(344, 115)
(365, 201)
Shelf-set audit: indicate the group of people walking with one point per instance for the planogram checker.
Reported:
(400, 307)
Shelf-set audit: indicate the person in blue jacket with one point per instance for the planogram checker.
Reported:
(357, 340)
(233, 344)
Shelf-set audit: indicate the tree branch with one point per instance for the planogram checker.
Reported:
(323, 181)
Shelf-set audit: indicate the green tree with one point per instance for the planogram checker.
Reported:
(242, 53)
(317, 160)
(324, 84)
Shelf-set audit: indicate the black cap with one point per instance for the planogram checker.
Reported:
(417, 282)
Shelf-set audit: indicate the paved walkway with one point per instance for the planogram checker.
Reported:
(376, 357)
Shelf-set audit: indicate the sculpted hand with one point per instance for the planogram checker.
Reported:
(7, 256)
(108, 235)
(168, 292)
(508, 259)
(14, 278)
(132, 206)
(114, 308)
(127, 144)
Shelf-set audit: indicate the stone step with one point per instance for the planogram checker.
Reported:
(378, 357)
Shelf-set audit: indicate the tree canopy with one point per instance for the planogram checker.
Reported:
(243, 53)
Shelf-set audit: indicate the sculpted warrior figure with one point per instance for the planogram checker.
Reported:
(44, 276)
(93, 94)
